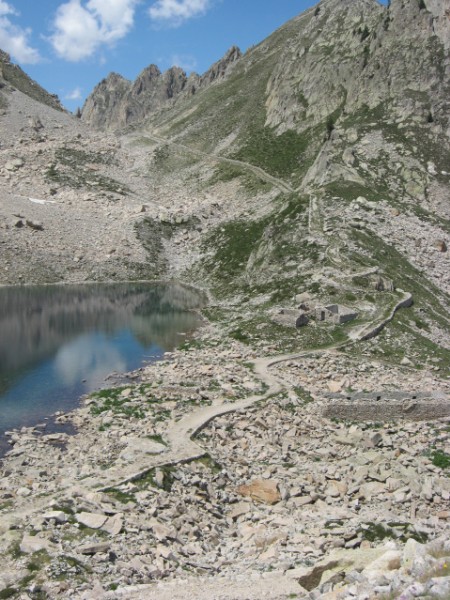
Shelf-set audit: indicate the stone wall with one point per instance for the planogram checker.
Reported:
(377, 407)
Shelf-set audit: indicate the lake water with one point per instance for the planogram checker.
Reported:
(60, 342)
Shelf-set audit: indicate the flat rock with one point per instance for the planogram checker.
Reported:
(94, 548)
(239, 509)
(113, 525)
(261, 490)
(91, 520)
(34, 543)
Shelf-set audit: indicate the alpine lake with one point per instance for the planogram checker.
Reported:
(58, 343)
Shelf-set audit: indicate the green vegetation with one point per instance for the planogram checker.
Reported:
(211, 464)
(120, 496)
(149, 479)
(303, 395)
(111, 399)
(330, 126)
(375, 532)
(440, 459)
(364, 33)
(279, 155)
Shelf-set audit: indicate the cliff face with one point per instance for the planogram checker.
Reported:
(103, 105)
(350, 55)
(116, 102)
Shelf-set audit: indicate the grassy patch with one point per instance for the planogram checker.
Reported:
(440, 459)
(211, 464)
(120, 496)
(375, 532)
(149, 479)
(303, 395)
(71, 167)
(279, 155)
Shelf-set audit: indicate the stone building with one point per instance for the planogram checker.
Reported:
(335, 313)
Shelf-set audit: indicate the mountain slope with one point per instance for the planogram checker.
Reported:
(347, 105)
(13, 78)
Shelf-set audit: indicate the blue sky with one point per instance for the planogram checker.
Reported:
(68, 46)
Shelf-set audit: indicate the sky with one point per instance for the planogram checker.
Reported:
(68, 46)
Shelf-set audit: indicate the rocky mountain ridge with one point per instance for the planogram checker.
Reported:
(117, 102)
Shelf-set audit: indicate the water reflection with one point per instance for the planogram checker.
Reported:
(90, 358)
(58, 342)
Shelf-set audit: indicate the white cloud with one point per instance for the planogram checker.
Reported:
(75, 94)
(89, 360)
(174, 12)
(14, 39)
(80, 29)
(6, 9)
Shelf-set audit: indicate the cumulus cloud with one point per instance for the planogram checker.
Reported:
(80, 29)
(14, 39)
(174, 12)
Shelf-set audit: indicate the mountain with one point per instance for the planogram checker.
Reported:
(278, 170)
(117, 102)
(305, 186)
(13, 78)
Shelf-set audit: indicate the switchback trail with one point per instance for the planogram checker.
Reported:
(279, 183)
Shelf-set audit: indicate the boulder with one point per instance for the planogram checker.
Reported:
(94, 548)
(14, 164)
(91, 520)
(34, 543)
(260, 490)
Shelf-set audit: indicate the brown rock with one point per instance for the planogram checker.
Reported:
(260, 490)
(441, 246)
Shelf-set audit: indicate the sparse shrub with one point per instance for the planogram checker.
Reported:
(330, 126)
(366, 54)
(365, 33)
(422, 5)
(440, 459)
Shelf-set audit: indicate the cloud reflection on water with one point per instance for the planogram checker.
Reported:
(89, 359)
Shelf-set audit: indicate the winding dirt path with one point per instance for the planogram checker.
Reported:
(279, 183)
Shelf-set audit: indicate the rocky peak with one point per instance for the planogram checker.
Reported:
(115, 102)
(175, 79)
(146, 80)
(222, 66)
(102, 106)
(436, 13)
(354, 53)
(4, 56)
